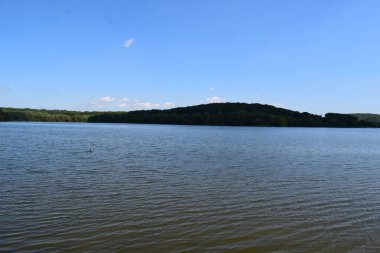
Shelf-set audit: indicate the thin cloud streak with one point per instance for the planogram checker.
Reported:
(128, 43)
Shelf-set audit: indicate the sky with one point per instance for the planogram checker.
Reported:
(317, 56)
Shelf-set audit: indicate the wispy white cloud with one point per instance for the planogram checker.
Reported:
(128, 43)
(215, 100)
(143, 105)
(106, 99)
(128, 104)
(124, 103)
(101, 102)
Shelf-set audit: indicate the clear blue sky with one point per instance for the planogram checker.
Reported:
(307, 55)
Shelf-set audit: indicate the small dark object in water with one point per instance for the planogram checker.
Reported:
(90, 150)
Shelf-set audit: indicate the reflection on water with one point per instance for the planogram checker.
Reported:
(154, 188)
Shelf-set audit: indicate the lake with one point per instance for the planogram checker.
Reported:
(166, 188)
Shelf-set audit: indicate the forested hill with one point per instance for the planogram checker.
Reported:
(233, 114)
(227, 114)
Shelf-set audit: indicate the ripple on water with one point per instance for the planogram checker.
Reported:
(152, 188)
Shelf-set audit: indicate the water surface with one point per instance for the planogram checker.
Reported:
(157, 188)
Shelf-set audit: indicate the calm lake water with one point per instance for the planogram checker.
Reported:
(157, 188)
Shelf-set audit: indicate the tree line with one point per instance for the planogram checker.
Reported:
(228, 114)
(15, 114)
(232, 114)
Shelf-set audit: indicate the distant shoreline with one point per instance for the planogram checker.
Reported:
(168, 124)
(217, 114)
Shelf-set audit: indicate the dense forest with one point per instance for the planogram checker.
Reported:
(15, 114)
(227, 114)
(370, 117)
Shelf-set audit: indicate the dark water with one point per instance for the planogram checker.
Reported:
(153, 188)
